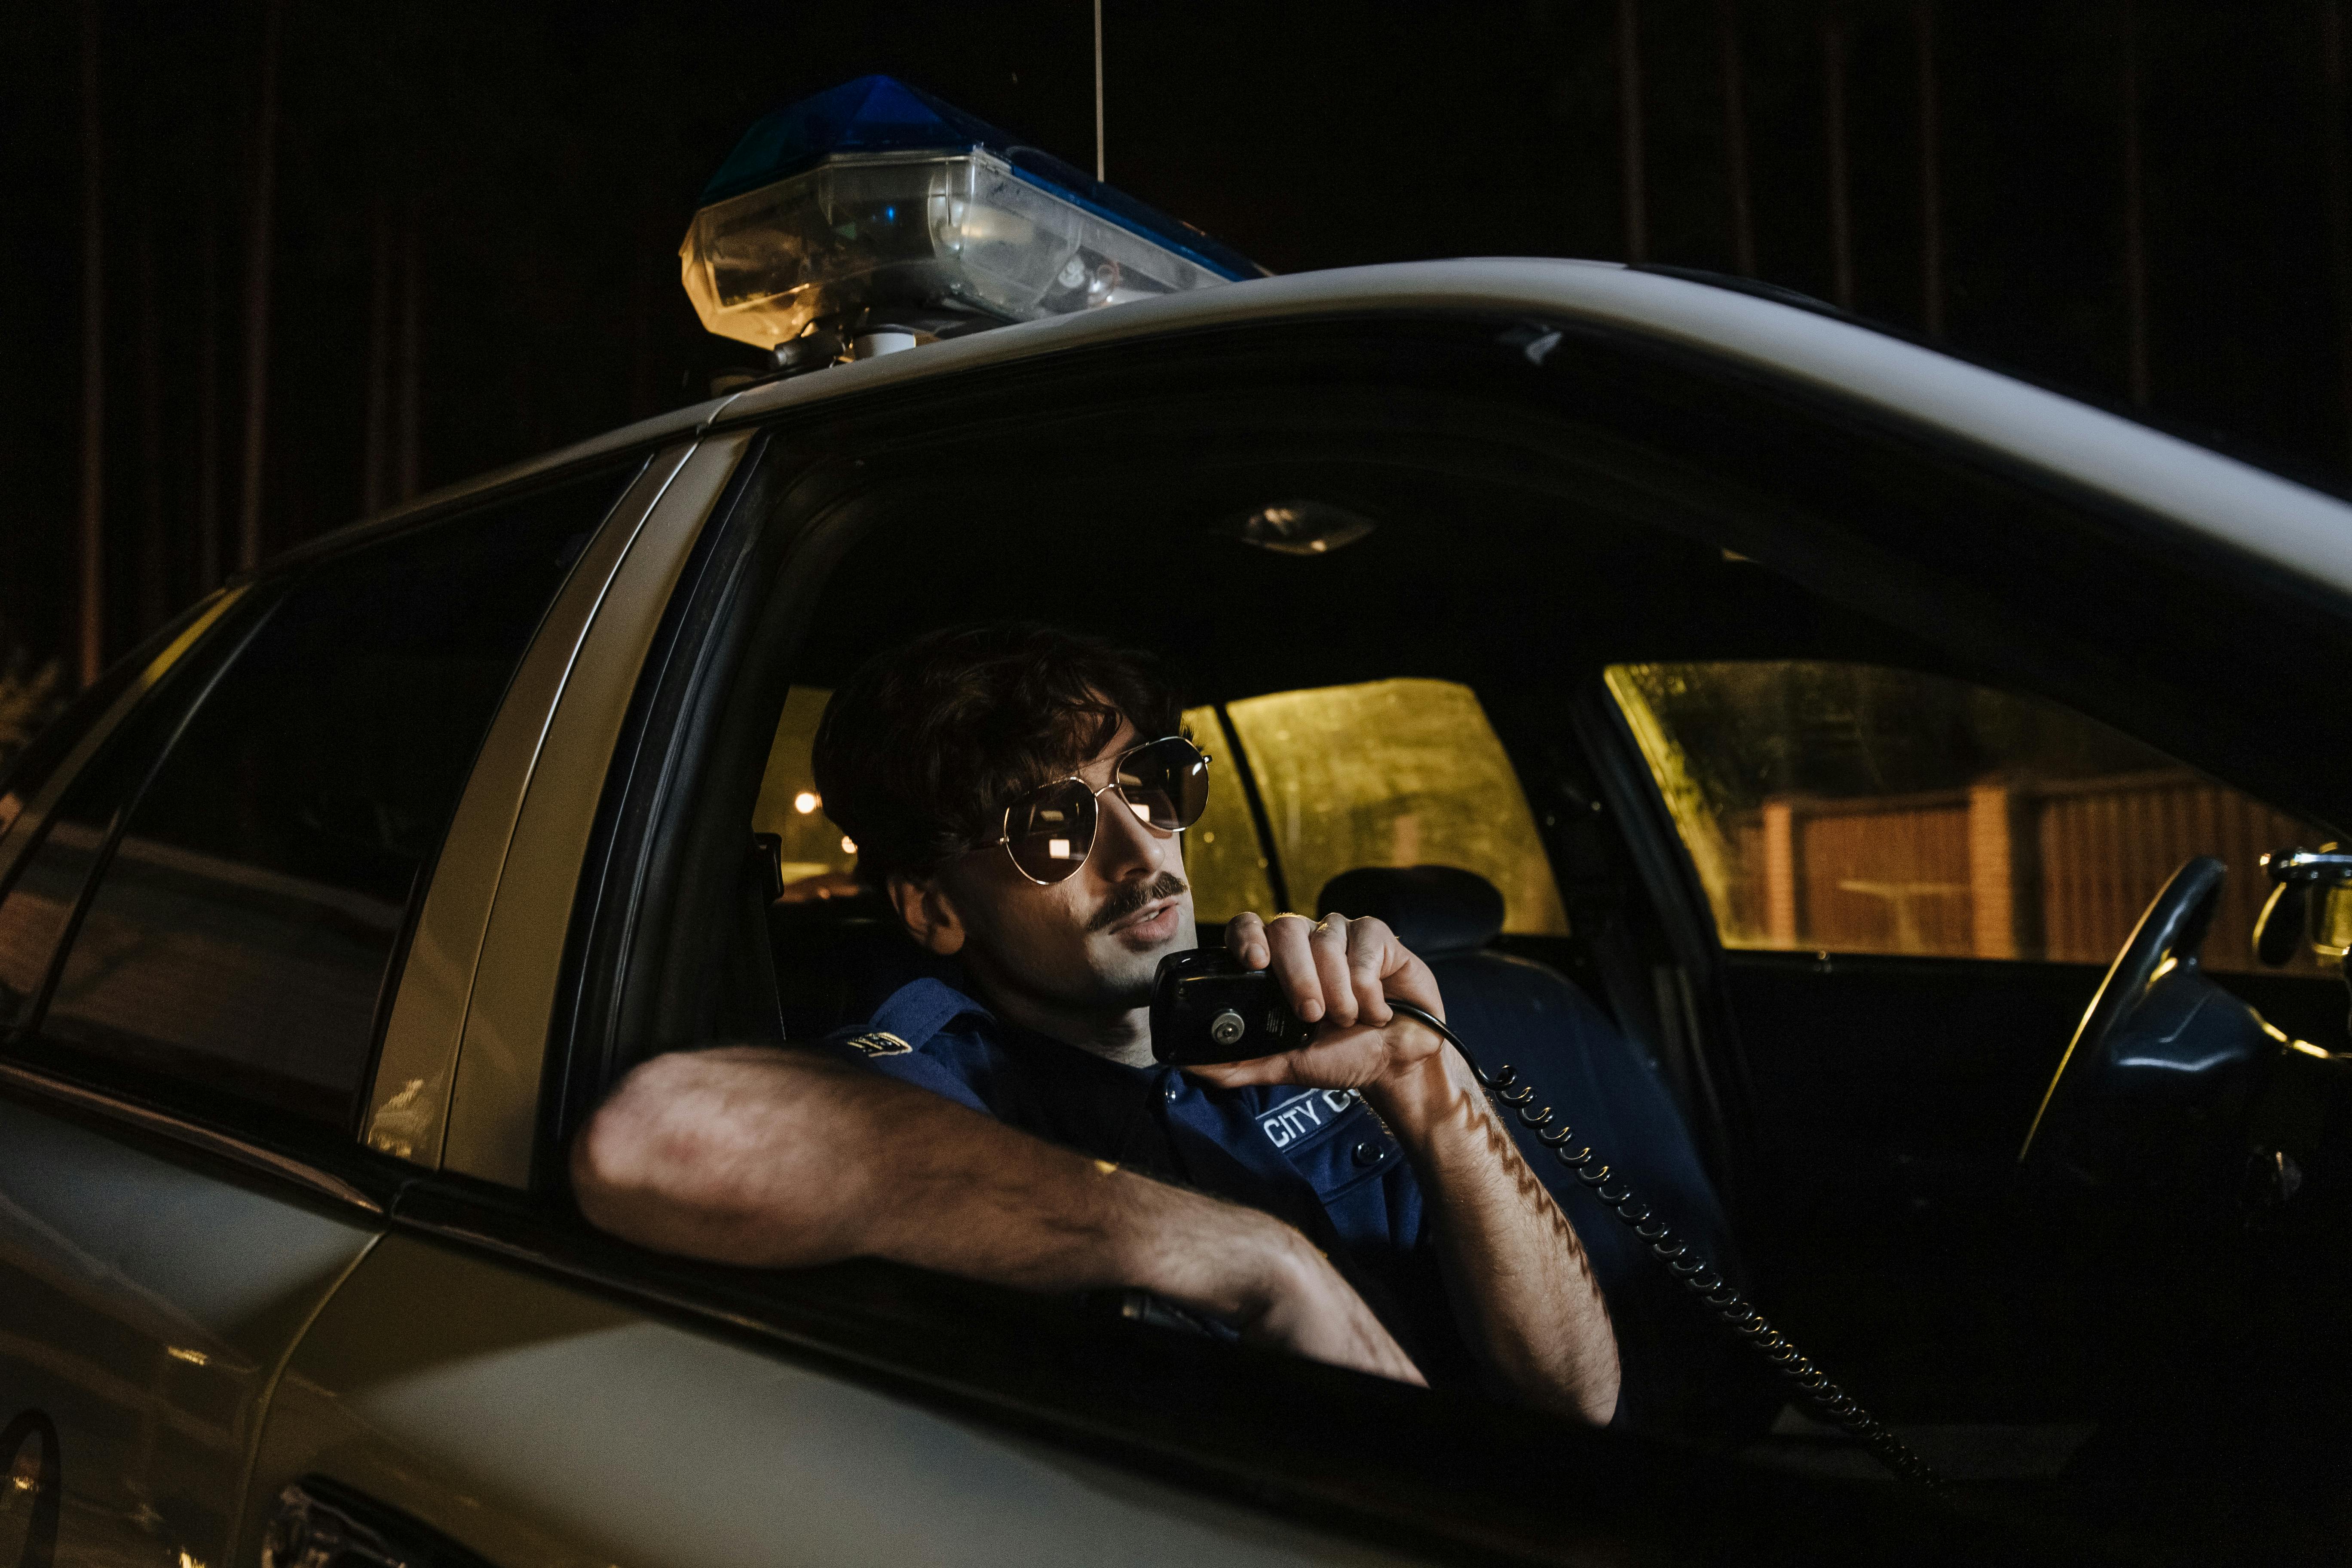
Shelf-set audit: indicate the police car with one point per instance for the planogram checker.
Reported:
(1868, 733)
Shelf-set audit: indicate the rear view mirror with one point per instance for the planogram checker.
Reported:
(2330, 922)
(2311, 900)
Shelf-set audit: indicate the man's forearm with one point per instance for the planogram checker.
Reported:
(782, 1159)
(1514, 1263)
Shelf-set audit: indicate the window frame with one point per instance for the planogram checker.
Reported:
(330, 1162)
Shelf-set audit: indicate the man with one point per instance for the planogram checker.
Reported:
(1019, 794)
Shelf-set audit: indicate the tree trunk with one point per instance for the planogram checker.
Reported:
(1833, 135)
(1735, 142)
(375, 467)
(154, 574)
(1629, 131)
(92, 651)
(1931, 176)
(208, 409)
(258, 259)
(2135, 233)
(2339, 173)
(412, 307)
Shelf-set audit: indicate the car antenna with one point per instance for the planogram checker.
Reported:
(1098, 93)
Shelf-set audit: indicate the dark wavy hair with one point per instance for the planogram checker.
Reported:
(923, 747)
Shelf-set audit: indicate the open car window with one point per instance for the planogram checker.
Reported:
(1850, 809)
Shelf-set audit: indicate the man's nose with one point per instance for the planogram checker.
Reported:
(1124, 844)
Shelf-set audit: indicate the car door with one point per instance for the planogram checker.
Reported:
(204, 907)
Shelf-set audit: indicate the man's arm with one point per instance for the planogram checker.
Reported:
(784, 1158)
(1516, 1269)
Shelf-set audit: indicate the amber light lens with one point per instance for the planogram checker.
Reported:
(1049, 831)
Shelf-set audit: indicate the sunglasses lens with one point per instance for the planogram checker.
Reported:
(1165, 784)
(1050, 830)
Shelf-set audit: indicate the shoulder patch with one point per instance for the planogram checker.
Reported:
(878, 1043)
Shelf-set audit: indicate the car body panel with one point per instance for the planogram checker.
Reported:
(540, 1424)
(416, 1067)
(151, 1304)
(494, 1099)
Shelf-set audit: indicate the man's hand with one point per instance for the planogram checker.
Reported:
(1514, 1264)
(1339, 973)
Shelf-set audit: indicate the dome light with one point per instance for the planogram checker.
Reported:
(877, 204)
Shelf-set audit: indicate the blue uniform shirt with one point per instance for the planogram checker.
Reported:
(1318, 1159)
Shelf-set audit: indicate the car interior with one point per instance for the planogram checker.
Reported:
(1742, 806)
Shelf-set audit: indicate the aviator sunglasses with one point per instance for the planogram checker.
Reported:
(1050, 831)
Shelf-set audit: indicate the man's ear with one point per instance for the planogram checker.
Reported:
(929, 914)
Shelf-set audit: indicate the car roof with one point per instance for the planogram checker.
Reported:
(2293, 527)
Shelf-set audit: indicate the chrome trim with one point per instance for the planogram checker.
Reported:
(493, 1100)
(194, 1134)
(408, 1097)
(16, 843)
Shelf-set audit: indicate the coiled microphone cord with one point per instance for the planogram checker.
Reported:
(1697, 1276)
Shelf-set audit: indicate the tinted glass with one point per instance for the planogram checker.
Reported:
(241, 934)
(26, 761)
(1848, 808)
(48, 883)
(1394, 773)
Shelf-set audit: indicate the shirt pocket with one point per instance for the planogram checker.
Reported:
(1331, 1138)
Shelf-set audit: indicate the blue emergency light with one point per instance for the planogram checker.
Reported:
(876, 201)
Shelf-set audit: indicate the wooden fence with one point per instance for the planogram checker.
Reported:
(2056, 870)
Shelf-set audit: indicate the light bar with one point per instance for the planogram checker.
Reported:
(875, 196)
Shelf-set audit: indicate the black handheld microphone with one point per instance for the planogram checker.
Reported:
(1207, 1008)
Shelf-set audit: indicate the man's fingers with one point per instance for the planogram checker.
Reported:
(1369, 955)
(1245, 940)
(1327, 944)
(1288, 943)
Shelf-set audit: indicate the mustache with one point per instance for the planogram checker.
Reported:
(1129, 897)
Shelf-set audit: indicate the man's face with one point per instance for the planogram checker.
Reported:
(1094, 940)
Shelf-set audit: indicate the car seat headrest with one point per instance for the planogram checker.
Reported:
(1433, 909)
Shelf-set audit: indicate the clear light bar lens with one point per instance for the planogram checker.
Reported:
(899, 230)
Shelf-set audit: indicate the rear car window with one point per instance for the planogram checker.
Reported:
(1394, 773)
(1850, 809)
(252, 899)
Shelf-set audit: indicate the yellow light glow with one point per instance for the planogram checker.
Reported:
(806, 802)
(193, 1357)
(848, 844)
(2308, 1048)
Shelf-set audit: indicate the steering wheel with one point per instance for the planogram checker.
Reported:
(2164, 947)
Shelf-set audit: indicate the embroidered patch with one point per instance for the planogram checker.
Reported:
(1302, 1114)
(879, 1044)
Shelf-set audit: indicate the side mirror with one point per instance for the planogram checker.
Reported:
(2310, 901)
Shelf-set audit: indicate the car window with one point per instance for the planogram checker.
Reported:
(41, 896)
(243, 926)
(1850, 809)
(1394, 773)
(1222, 854)
(814, 852)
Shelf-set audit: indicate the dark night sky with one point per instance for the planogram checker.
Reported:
(552, 154)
